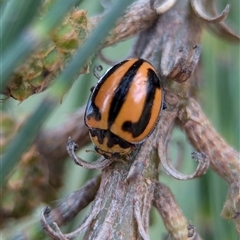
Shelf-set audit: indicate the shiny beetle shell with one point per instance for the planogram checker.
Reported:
(124, 107)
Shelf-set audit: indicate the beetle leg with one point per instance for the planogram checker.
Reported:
(99, 164)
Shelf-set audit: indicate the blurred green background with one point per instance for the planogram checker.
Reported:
(201, 200)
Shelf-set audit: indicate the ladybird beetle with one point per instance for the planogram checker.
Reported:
(123, 107)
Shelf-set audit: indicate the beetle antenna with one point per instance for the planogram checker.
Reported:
(97, 69)
(93, 151)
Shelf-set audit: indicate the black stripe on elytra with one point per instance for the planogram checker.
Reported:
(92, 110)
(111, 137)
(137, 128)
(121, 91)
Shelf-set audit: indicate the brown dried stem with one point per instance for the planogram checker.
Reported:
(223, 158)
(133, 186)
(175, 221)
(126, 193)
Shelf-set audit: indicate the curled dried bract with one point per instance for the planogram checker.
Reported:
(198, 6)
(100, 163)
(162, 6)
(206, 11)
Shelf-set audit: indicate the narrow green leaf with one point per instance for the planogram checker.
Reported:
(15, 17)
